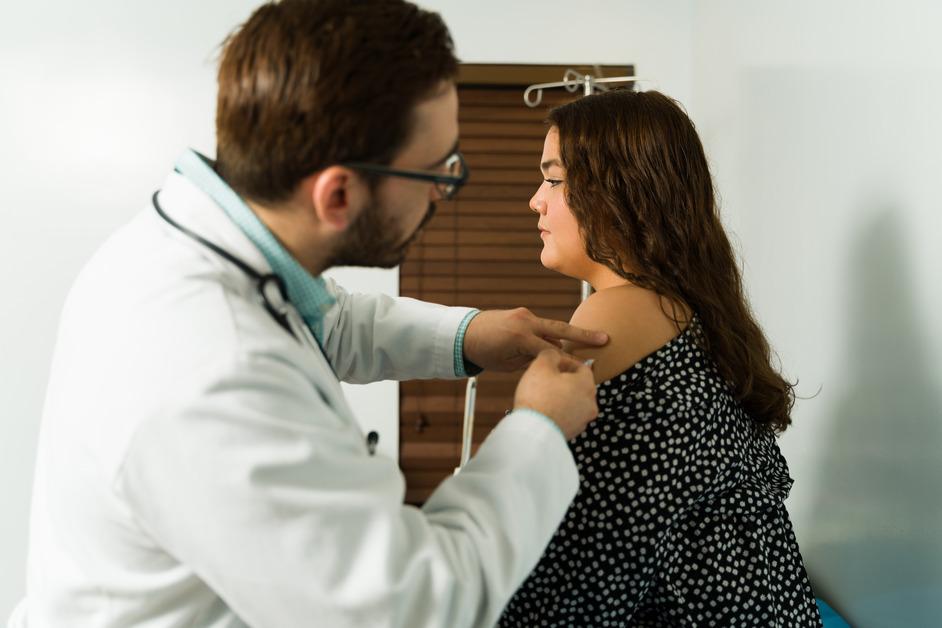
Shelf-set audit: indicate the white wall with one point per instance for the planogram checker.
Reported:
(654, 36)
(822, 123)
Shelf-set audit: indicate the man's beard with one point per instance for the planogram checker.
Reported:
(374, 240)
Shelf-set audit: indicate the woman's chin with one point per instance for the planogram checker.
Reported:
(552, 264)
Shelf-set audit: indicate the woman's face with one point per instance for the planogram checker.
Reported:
(563, 249)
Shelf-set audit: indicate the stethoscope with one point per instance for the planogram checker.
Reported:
(263, 282)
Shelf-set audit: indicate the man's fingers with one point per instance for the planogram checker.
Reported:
(534, 346)
(557, 355)
(569, 364)
(559, 330)
(561, 361)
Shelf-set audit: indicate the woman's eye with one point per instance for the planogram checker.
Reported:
(553, 182)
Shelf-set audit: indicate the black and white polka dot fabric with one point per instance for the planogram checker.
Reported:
(679, 519)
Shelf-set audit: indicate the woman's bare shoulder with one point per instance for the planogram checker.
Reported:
(634, 319)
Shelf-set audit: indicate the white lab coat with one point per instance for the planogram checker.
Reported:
(198, 466)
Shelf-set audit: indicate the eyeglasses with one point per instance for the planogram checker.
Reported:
(455, 174)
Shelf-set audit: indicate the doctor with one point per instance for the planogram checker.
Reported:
(198, 464)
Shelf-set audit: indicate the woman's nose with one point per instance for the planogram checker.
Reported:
(537, 204)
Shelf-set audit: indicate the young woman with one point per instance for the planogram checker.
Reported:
(679, 520)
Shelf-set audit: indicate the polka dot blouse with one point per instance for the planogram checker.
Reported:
(679, 519)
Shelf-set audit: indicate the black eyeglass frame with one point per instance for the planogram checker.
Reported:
(451, 183)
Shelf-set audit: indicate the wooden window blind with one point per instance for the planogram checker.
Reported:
(482, 250)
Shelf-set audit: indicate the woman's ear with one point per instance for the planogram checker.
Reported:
(338, 196)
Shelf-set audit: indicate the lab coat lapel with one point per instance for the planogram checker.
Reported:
(186, 204)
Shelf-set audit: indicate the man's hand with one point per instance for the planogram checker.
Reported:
(560, 387)
(508, 340)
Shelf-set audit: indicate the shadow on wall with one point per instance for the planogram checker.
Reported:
(877, 517)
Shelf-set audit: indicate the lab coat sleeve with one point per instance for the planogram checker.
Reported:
(271, 499)
(374, 337)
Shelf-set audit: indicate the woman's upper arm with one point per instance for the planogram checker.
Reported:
(634, 322)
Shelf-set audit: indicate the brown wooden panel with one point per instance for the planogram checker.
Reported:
(451, 432)
(446, 403)
(430, 404)
(428, 455)
(556, 283)
(467, 268)
(491, 238)
(519, 193)
(475, 253)
(468, 112)
(425, 429)
(521, 220)
(528, 130)
(555, 313)
(424, 425)
(532, 148)
(521, 161)
(417, 496)
(467, 207)
(488, 384)
(455, 224)
(443, 465)
(503, 300)
(447, 428)
(512, 189)
(421, 460)
(529, 176)
(491, 381)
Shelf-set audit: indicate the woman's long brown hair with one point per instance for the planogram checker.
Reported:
(638, 183)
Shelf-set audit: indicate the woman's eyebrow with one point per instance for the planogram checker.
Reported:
(550, 162)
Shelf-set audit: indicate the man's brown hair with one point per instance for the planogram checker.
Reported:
(305, 84)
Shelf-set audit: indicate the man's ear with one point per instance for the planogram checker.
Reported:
(338, 196)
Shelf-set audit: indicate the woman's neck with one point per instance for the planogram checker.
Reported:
(601, 277)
